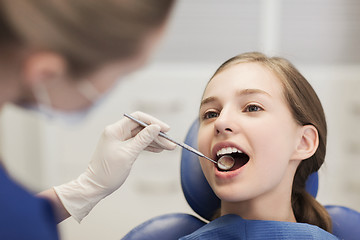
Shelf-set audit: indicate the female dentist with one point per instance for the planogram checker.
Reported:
(59, 58)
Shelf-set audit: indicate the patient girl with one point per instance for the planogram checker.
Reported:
(265, 114)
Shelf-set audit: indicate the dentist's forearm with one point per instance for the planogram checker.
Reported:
(59, 210)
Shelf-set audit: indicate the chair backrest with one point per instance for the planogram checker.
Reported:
(196, 189)
(345, 222)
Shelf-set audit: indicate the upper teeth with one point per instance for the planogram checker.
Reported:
(227, 150)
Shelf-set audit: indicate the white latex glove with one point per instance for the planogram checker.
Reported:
(118, 148)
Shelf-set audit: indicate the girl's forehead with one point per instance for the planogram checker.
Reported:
(244, 76)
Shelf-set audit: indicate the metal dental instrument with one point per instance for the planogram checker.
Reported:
(183, 145)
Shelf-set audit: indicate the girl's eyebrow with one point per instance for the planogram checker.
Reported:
(208, 100)
(251, 91)
(248, 91)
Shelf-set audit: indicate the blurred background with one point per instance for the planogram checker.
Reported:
(321, 37)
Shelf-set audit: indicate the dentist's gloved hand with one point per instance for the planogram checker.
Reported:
(118, 148)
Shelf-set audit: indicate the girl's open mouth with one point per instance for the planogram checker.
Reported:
(230, 154)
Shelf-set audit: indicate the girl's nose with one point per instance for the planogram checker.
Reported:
(225, 124)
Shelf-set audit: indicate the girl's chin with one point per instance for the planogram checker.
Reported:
(226, 195)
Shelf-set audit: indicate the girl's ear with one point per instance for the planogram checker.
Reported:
(308, 143)
(43, 66)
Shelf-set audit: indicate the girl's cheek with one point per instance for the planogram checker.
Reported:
(202, 140)
(202, 145)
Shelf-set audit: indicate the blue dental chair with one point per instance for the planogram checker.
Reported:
(201, 198)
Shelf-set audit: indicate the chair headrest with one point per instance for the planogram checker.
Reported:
(198, 192)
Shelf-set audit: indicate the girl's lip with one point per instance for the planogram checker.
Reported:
(228, 175)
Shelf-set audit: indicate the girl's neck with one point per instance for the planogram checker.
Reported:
(261, 208)
(274, 205)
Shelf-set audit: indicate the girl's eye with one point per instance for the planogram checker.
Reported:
(210, 114)
(253, 108)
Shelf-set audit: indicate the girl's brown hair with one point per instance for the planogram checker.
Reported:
(306, 109)
(87, 32)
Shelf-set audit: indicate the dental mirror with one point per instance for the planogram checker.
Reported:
(226, 162)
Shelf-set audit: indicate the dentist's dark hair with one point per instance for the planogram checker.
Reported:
(88, 33)
(306, 109)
